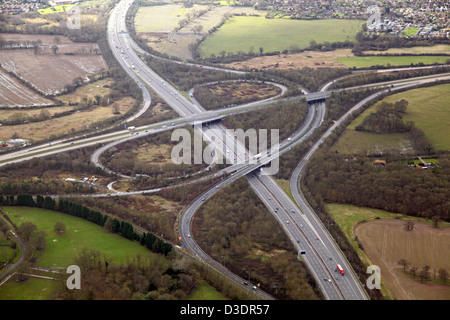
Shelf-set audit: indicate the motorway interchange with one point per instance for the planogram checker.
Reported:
(320, 253)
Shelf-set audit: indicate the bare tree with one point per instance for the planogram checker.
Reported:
(443, 274)
(435, 220)
(409, 225)
(59, 227)
(413, 270)
(404, 263)
(55, 49)
(424, 273)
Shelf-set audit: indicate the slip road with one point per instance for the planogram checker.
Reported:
(229, 309)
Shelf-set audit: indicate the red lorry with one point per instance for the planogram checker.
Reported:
(340, 269)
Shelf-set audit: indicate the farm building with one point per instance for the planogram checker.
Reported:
(379, 163)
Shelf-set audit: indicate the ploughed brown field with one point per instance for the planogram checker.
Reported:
(15, 94)
(386, 242)
(48, 72)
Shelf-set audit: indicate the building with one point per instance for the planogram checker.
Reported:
(379, 163)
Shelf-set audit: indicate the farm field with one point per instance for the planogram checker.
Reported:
(310, 59)
(163, 18)
(351, 218)
(44, 130)
(156, 25)
(366, 62)
(49, 73)
(244, 33)
(61, 250)
(368, 143)
(429, 109)
(437, 49)
(15, 94)
(386, 242)
(73, 122)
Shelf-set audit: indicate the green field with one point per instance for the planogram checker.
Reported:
(56, 9)
(204, 291)
(6, 253)
(61, 250)
(32, 289)
(244, 32)
(365, 62)
(429, 109)
(162, 18)
(368, 143)
(410, 31)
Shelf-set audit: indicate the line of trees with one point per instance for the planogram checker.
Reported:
(382, 42)
(424, 274)
(370, 77)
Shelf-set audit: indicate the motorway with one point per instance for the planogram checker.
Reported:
(299, 221)
(317, 256)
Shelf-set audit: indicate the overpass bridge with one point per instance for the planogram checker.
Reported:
(317, 96)
(206, 119)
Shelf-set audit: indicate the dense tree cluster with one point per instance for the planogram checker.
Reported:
(238, 227)
(143, 277)
(40, 175)
(215, 96)
(388, 118)
(287, 116)
(397, 188)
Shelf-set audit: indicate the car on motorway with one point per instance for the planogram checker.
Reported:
(301, 226)
(287, 221)
(246, 283)
(293, 211)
